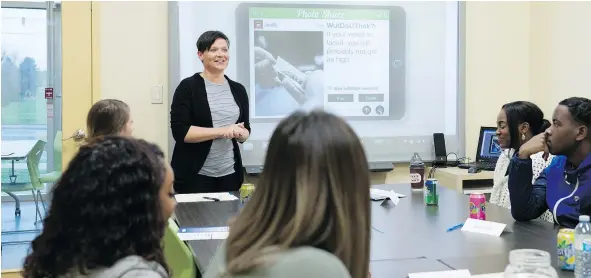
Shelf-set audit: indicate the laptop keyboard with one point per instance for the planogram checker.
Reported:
(486, 166)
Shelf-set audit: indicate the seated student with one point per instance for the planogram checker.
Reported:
(517, 123)
(108, 214)
(565, 186)
(109, 117)
(310, 214)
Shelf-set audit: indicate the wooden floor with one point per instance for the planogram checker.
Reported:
(17, 234)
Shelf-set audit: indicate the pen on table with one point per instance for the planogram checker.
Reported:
(376, 229)
(212, 198)
(455, 227)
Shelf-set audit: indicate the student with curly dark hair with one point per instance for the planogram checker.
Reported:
(108, 214)
(564, 187)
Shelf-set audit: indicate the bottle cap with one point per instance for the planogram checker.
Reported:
(584, 218)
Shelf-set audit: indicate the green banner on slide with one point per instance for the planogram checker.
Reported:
(307, 13)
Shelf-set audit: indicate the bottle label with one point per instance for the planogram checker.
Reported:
(415, 178)
(586, 245)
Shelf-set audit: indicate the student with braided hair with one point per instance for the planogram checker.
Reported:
(564, 187)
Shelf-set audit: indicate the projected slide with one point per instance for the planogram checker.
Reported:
(305, 57)
(390, 68)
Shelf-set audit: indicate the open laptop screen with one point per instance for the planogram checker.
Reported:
(489, 148)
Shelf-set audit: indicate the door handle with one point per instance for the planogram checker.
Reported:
(78, 135)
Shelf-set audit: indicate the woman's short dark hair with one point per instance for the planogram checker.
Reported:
(519, 112)
(206, 40)
(105, 207)
(107, 117)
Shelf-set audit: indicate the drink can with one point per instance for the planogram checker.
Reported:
(478, 206)
(430, 193)
(565, 247)
(246, 191)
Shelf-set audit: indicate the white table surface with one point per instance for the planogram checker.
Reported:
(17, 149)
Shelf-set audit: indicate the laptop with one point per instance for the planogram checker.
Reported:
(488, 151)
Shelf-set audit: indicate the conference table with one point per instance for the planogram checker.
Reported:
(409, 237)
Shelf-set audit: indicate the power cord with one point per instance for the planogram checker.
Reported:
(457, 161)
(452, 163)
(457, 158)
(432, 172)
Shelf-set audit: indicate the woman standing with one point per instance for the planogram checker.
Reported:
(517, 123)
(208, 117)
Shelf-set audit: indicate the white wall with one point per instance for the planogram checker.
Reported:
(497, 62)
(560, 52)
(536, 51)
(133, 58)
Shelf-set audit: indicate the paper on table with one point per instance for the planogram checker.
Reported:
(490, 275)
(202, 236)
(186, 234)
(441, 274)
(377, 197)
(393, 196)
(203, 197)
(385, 193)
(483, 227)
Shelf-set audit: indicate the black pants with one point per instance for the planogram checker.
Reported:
(205, 184)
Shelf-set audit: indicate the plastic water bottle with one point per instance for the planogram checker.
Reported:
(417, 173)
(583, 248)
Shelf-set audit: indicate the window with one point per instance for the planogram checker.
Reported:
(30, 64)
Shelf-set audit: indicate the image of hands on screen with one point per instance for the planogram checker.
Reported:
(305, 58)
(287, 79)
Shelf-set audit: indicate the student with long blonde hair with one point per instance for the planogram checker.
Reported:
(310, 214)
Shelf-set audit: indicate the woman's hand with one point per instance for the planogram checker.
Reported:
(244, 134)
(235, 131)
(231, 131)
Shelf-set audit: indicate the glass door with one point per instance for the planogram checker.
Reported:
(31, 111)
(47, 86)
(31, 88)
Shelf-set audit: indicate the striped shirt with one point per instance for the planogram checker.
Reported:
(224, 112)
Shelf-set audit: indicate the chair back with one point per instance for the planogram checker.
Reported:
(178, 254)
(57, 152)
(33, 159)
